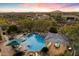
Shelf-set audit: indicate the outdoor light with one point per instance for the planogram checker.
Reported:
(69, 48)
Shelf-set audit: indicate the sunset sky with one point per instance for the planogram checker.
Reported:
(38, 7)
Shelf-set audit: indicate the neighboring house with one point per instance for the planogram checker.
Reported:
(70, 18)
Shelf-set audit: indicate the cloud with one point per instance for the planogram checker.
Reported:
(40, 7)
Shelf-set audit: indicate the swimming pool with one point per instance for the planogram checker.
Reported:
(34, 42)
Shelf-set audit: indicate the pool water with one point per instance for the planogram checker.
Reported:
(34, 42)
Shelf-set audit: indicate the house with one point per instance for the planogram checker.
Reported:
(70, 18)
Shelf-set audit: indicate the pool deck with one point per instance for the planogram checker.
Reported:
(6, 50)
(9, 51)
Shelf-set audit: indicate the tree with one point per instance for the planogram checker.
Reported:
(26, 24)
(42, 25)
(37, 25)
(3, 22)
(57, 15)
(53, 30)
(12, 28)
(0, 37)
(72, 32)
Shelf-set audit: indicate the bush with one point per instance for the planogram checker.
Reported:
(37, 25)
(53, 30)
(44, 50)
(19, 53)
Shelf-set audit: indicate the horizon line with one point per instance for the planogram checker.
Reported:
(37, 11)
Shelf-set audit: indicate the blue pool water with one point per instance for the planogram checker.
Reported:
(34, 42)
